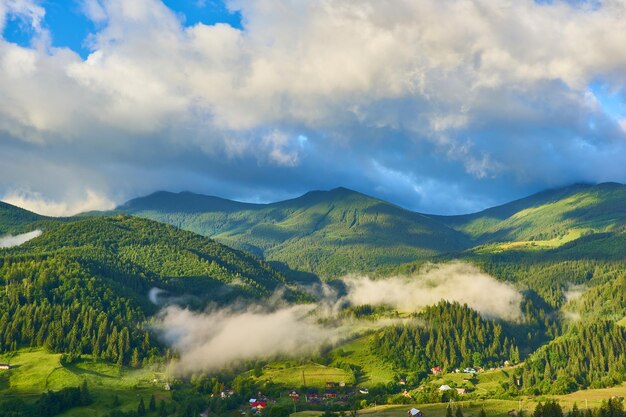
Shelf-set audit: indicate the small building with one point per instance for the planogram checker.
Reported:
(294, 396)
(445, 388)
(5, 366)
(436, 370)
(331, 384)
(167, 387)
(330, 395)
(257, 405)
(364, 391)
(470, 371)
(461, 391)
(402, 381)
(414, 412)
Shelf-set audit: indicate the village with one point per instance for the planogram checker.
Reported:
(337, 395)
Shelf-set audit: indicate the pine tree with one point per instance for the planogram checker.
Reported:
(152, 404)
(459, 412)
(141, 408)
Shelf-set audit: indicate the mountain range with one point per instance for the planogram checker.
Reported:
(340, 231)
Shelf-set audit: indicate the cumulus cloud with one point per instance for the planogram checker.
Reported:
(498, 95)
(11, 241)
(457, 281)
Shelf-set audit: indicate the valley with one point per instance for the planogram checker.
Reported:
(198, 304)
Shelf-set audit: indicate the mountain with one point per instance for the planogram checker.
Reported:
(327, 232)
(548, 219)
(14, 219)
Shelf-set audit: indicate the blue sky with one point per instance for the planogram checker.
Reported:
(69, 25)
(260, 100)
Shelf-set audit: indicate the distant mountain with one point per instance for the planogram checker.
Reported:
(14, 219)
(326, 232)
(548, 219)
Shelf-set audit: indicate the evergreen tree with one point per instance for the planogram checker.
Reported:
(152, 404)
(141, 408)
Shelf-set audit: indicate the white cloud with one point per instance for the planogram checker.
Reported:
(498, 88)
(10, 241)
(454, 282)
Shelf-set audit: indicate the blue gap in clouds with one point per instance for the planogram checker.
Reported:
(613, 102)
(18, 31)
(68, 25)
(208, 12)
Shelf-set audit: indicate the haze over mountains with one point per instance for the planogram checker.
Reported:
(339, 231)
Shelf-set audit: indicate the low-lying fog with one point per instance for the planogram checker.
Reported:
(221, 337)
(10, 241)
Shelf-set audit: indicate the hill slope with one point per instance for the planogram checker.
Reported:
(327, 232)
(82, 286)
(549, 218)
(14, 219)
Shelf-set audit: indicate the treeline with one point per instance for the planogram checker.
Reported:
(613, 407)
(53, 302)
(49, 404)
(590, 355)
(449, 335)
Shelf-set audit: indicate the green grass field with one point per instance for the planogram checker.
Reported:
(357, 352)
(36, 371)
(293, 375)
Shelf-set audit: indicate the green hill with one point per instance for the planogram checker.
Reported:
(82, 286)
(14, 219)
(548, 219)
(326, 232)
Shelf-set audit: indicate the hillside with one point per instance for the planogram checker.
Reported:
(548, 219)
(326, 232)
(14, 219)
(82, 287)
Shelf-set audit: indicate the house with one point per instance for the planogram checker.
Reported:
(364, 391)
(414, 412)
(330, 394)
(294, 396)
(470, 371)
(402, 381)
(226, 394)
(257, 405)
(445, 388)
(5, 366)
(461, 391)
(436, 370)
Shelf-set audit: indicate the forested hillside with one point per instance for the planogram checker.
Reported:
(14, 219)
(82, 287)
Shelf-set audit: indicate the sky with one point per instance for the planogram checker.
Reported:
(439, 106)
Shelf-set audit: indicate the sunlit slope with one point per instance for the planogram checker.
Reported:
(328, 232)
(548, 219)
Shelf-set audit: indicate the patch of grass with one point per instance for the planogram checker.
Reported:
(292, 375)
(374, 370)
(36, 371)
(622, 322)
